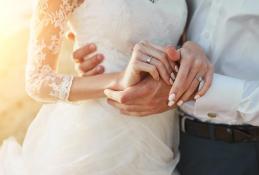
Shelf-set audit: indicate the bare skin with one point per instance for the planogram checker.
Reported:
(150, 96)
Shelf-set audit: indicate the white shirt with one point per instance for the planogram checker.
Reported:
(228, 31)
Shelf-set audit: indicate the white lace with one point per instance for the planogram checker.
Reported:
(47, 30)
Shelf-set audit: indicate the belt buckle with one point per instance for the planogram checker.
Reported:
(184, 117)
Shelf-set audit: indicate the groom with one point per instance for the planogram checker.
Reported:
(219, 131)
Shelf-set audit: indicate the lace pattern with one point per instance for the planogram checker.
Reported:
(47, 30)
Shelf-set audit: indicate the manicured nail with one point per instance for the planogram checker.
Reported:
(171, 103)
(180, 103)
(197, 97)
(176, 68)
(171, 81)
(173, 76)
(171, 97)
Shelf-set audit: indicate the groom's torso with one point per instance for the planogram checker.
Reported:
(229, 33)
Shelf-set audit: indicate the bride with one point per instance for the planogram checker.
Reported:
(90, 137)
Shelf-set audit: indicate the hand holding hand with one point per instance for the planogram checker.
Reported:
(195, 68)
(150, 59)
(145, 98)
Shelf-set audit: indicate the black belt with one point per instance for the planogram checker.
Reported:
(220, 132)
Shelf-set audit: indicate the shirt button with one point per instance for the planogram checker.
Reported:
(212, 115)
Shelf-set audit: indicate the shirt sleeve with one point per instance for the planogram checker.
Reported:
(230, 100)
(49, 20)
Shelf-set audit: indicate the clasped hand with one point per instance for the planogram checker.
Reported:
(156, 79)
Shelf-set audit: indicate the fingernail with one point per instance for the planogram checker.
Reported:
(197, 97)
(180, 103)
(92, 47)
(171, 81)
(100, 57)
(171, 97)
(171, 103)
(176, 68)
(173, 76)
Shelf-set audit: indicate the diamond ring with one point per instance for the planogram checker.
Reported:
(148, 60)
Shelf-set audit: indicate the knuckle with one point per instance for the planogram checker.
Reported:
(197, 64)
(82, 67)
(191, 57)
(124, 99)
(160, 64)
(143, 42)
(76, 55)
(137, 47)
(153, 69)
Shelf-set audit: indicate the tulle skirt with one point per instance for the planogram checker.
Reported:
(93, 138)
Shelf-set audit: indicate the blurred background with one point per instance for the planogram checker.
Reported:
(17, 110)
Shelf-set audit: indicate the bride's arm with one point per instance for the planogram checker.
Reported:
(45, 84)
(42, 80)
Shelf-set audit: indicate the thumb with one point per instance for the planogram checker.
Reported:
(114, 95)
(173, 54)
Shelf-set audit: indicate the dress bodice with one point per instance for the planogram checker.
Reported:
(116, 26)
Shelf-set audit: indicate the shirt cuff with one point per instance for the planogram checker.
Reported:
(221, 102)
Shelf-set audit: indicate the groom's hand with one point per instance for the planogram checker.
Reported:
(147, 97)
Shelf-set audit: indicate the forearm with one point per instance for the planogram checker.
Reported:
(92, 87)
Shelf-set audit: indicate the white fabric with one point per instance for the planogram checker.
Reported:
(228, 30)
(93, 138)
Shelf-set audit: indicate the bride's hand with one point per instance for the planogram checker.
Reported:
(150, 59)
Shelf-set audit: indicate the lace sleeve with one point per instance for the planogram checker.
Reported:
(47, 30)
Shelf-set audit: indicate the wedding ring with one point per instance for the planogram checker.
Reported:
(199, 78)
(148, 60)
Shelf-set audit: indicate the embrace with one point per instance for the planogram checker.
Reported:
(163, 87)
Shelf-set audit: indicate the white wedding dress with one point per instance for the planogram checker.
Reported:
(93, 138)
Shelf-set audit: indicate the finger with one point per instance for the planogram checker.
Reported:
(158, 54)
(135, 114)
(146, 112)
(174, 66)
(91, 63)
(207, 83)
(145, 67)
(134, 95)
(160, 67)
(173, 54)
(81, 53)
(189, 93)
(95, 71)
(114, 95)
(177, 89)
(128, 108)
(194, 72)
